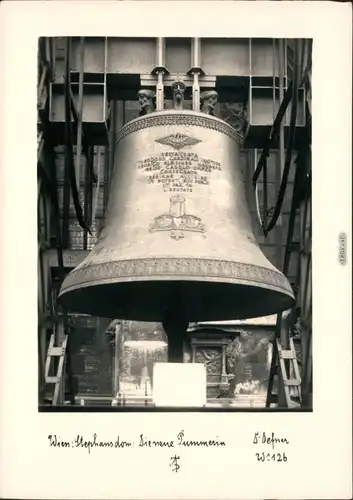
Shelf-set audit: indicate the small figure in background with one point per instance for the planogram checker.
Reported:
(187, 358)
(208, 101)
(147, 101)
(178, 89)
(145, 381)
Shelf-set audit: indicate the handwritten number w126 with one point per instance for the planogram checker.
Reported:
(271, 457)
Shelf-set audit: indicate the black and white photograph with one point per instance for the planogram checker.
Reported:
(174, 223)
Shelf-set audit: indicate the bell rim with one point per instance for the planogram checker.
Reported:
(203, 270)
(186, 279)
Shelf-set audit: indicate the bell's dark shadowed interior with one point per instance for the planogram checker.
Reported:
(196, 301)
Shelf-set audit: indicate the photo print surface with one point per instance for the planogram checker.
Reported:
(174, 222)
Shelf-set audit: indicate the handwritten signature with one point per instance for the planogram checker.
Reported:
(263, 438)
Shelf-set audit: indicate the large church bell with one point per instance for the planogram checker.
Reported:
(177, 244)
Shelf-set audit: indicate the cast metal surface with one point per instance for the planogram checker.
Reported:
(177, 240)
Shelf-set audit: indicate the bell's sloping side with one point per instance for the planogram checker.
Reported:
(177, 233)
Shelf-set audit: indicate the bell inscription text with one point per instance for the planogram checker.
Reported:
(178, 171)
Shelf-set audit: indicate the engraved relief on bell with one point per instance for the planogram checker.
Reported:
(208, 101)
(146, 99)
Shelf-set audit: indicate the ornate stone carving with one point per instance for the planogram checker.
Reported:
(235, 115)
(147, 101)
(212, 358)
(248, 359)
(208, 101)
(178, 89)
(158, 267)
(189, 119)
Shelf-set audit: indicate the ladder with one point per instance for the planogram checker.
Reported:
(291, 379)
(285, 365)
(55, 352)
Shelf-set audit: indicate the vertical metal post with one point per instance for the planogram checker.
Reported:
(284, 330)
(256, 194)
(196, 71)
(50, 58)
(284, 340)
(42, 350)
(250, 86)
(160, 70)
(224, 360)
(88, 195)
(59, 337)
(306, 299)
(284, 334)
(265, 202)
(273, 356)
(53, 51)
(114, 392)
(40, 272)
(105, 100)
(280, 156)
(97, 187)
(106, 176)
(80, 112)
(193, 353)
(66, 197)
(159, 93)
(109, 156)
(121, 118)
(274, 80)
(281, 96)
(117, 354)
(306, 253)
